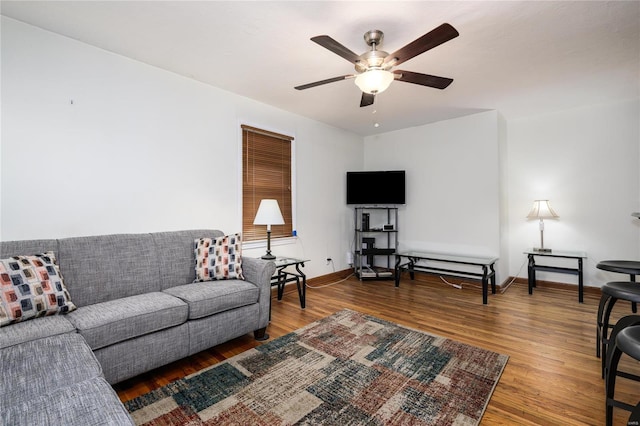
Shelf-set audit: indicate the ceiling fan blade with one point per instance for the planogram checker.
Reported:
(367, 99)
(423, 79)
(337, 48)
(321, 82)
(433, 38)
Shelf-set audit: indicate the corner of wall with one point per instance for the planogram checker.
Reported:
(503, 187)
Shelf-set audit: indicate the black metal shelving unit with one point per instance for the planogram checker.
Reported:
(376, 235)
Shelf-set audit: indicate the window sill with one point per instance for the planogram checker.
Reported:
(248, 245)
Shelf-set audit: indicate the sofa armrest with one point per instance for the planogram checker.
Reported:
(259, 273)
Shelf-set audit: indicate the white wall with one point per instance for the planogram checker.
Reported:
(505, 254)
(453, 190)
(585, 161)
(141, 149)
(471, 182)
(95, 143)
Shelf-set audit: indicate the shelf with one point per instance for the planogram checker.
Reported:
(374, 243)
(375, 274)
(376, 251)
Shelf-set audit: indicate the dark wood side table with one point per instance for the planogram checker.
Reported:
(533, 267)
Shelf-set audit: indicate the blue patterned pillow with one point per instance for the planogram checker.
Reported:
(31, 287)
(219, 258)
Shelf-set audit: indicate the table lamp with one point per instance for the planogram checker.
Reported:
(268, 214)
(541, 210)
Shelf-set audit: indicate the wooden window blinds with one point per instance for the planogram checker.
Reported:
(266, 173)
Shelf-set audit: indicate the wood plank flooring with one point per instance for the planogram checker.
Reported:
(552, 377)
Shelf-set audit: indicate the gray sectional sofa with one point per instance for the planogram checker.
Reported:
(138, 308)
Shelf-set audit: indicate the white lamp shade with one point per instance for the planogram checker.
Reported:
(541, 210)
(374, 81)
(269, 213)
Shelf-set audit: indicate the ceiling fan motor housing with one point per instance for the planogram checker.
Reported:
(372, 59)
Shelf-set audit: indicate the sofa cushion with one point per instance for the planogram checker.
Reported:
(106, 323)
(219, 258)
(31, 286)
(38, 328)
(41, 366)
(90, 402)
(107, 267)
(136, 356)
(205, 299)
(16, 248)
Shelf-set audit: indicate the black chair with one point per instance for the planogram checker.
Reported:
(611, 293)
(625, 340)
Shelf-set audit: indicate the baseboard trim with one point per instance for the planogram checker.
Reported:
(329, 278)
(554, 284)
(500, 288)
(319, 281)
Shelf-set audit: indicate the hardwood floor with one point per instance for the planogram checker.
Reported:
(552, 376)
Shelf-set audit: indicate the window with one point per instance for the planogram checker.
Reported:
(266, 173)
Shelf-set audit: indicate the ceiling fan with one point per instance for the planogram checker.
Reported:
(374, 67)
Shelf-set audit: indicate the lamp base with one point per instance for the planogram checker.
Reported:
(542, 250)
(268, 256)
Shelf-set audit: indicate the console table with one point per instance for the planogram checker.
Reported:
(283, 276)
(533, 267)
(486, 264)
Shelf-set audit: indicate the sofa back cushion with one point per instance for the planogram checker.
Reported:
(107, 267)
(176, 251)
(27, 247)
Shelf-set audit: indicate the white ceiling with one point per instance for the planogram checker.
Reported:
(519, 57)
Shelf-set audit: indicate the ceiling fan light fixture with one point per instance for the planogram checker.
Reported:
(373, 67)
(374, 81)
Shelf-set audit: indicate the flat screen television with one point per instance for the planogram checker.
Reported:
(376, 187)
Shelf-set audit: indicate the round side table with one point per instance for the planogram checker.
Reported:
(629, 267)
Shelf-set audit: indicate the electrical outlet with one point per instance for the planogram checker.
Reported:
(329, 260)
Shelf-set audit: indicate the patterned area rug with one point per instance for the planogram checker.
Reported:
(346, 369)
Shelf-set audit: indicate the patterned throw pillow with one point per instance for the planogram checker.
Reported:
(219, 258)
(30, 287)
